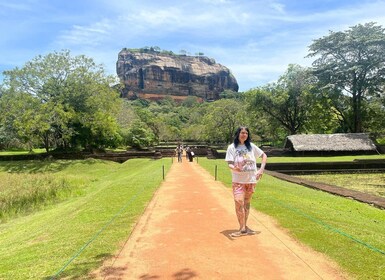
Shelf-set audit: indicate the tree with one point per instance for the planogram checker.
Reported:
(223, 117)
(286, 102)
(351, 67)
(374, 119)
(20, 118)
(64, 101)
(229, 94)
(139, 136)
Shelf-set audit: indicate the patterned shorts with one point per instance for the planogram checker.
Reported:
(243, 189)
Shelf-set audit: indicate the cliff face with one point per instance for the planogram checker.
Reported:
(154, 75)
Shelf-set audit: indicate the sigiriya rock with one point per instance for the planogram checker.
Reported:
(153, 75)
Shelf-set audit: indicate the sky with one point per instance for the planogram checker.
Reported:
(256, 40)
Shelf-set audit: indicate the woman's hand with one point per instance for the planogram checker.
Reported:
(235, 168)
(259, 174)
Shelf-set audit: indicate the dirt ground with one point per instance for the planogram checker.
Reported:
(185, 234)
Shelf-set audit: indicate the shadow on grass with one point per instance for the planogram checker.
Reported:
(81, 269)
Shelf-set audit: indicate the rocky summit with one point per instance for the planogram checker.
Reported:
(154, 75)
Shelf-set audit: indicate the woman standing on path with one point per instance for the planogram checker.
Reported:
(241, 157)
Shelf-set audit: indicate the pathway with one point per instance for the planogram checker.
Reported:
(185, 234)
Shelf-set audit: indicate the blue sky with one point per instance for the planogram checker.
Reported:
(256, 40)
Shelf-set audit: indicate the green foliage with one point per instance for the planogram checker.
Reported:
(286, 103)
(190, 101)
(374, 116)
(61, 101)
(156, 49)
(381, 141)
(139, 137)
(222, 119)
(229, 94)
(351, 68)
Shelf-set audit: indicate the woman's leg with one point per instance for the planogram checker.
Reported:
(240, 211)
(239, 200)
(249, 190)
(246, 206)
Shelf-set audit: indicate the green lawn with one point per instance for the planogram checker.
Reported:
(350, 232)
(372, 183)
(74, 233)
(88, 219)
(324, 159)
(22, 152)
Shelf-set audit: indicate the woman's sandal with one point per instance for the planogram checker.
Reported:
(250, 231)
(238, 233)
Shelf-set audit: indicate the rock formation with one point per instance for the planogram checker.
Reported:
(154, 75)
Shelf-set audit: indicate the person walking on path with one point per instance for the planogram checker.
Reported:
(189, 154)
(241, 157)
(179, 152)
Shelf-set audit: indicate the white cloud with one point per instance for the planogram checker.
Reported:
(93, 35)
(256, 39)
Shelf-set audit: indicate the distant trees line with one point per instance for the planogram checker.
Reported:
(61, 102)
(159, 50)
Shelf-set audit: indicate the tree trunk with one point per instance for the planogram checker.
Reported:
(357, 115)
(46, 142)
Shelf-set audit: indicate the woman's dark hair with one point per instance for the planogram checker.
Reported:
(236, 137)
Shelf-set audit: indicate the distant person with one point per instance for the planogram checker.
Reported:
(189, 154)
(179, 152)
(241, 157)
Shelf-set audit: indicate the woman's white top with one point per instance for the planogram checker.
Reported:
(246, 160)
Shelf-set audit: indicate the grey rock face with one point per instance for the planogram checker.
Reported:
(154, 75)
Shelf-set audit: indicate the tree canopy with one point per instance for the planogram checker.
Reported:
(287, 101)
(351, 68)
(61, 100)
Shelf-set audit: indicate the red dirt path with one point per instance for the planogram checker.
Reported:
(185, 234)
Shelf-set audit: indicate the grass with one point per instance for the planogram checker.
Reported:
(23, 193)
(324, 159)
(72, 236)
(349, 232)
(22, 152)
(98, 203)
(372, 183)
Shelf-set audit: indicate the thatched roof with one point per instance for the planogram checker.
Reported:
(330, 142)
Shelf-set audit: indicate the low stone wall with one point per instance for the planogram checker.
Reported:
(124, 156)
(317, 167)
(113, 156)
(43, 156)
(270, 151)
(359, 196)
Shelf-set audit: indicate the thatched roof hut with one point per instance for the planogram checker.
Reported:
(343, 143)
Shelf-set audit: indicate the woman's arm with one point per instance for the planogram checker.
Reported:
(262, 168)
(232, 166)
